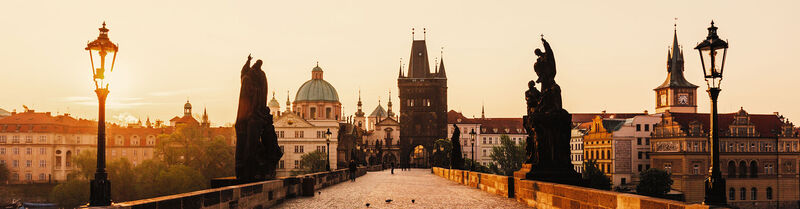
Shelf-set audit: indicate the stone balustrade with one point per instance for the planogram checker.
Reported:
(549, 195)
(253, 195)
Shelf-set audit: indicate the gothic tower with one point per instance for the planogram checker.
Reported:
(676, 94)
(423, 106)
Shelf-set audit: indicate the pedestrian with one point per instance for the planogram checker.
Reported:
(392, 167)
(353, 169)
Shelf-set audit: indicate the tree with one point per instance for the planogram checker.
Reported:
(654, 182)
(189, 146)
(85, 164)
(123, 178)
(509, 156)
(179, 179)
(4, 173)
(147, 174)
(594, 177)
(71, 193)
(476, 166)
(312, 162)
(441, 153)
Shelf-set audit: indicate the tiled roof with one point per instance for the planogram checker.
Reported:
(764, 123)
(489, 125)
(454, 117)
(587, 117)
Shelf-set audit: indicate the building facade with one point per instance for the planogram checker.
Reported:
(488, 132)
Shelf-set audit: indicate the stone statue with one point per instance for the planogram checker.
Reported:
(548, 126)
(257, 151)
(456, 161)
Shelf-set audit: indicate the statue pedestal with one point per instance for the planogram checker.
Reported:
(559, 175)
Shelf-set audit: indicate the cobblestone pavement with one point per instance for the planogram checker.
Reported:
(428, 191)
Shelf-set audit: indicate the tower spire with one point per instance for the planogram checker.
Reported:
(288, 104)
(483, 115)
(389, 113)
(401, 70)
(441, 73)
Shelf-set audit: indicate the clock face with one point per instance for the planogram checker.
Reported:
(683, 99)
(663, 99)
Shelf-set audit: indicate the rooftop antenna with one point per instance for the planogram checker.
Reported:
(412, 34)
(424, 33)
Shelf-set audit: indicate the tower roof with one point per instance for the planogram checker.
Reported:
(418, 66)
(274, 102)
(378, 112)
(675, 77)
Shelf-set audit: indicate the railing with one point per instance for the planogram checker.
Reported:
(253, 195)
(550, 195)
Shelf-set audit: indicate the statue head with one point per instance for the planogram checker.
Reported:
(257, 65)
(538, 52)
(531, 84)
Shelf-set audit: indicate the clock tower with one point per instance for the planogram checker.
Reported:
(676, 94)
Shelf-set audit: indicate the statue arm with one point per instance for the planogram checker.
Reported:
(246, 66)
(550, 57)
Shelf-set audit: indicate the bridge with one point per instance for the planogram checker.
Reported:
(415, 188)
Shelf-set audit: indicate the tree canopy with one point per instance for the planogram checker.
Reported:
(508, 156)
(594, 177)
(654, 182)
(312, 162)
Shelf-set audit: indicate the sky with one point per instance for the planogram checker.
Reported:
(610, 55)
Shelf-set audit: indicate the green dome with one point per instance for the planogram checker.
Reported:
(273, 102)
(317, 90)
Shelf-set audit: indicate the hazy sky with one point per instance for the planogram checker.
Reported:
(610, 55)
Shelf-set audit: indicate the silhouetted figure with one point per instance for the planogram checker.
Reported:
(257, 151)
(353, 169)
(392, 167)
(456, 162)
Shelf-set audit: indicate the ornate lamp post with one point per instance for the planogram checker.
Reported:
(472, 141)
(328, 141)
(100, 187)
(713, 66)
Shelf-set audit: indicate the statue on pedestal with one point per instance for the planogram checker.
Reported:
(548, 126)
(257, 150)
(456, 160)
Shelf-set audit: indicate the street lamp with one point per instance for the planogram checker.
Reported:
(472, 141)
(712, 68)
(100, 187)
(328, 141)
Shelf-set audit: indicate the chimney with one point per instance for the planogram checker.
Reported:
(776, 113)
(645, 112)
(603, 112)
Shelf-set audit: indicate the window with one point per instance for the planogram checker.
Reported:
(42, 163)
(646, 127)
(640, 167)
(28, 151)
(280, 164)
(731, 169)
(769, 193)
(15, 150)
(280, 134)
(28, 177)
(668, 167)
(15, 163)
(42, 139)
(753, 169)
(638, 127)
(638, 141)
(3, 139)
(296, 164)
(623, 180)
(282, 149)
(28, 139)
(646, 141)
(742, 193)
(42, 151)
(2, 150)
(742, 169)
(327, 113)
(646, 166)
(484, 153)
(28, 163)
(313, 113)
(696, 169)
(41, 177)
(647, 155)
(15, 139)
(753, 193)
(731, 193)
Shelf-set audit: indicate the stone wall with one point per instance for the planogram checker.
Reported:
(549, 195)
(253, 195)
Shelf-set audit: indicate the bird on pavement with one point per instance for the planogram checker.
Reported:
(388, 200)
(367, 204)
(412, 200)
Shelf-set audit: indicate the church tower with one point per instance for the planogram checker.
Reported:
(676, 94)
(205, 122)
(187, 109)
(360, 121)
(423, 106)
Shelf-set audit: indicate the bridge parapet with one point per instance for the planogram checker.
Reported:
(550, 195)
(253, 195)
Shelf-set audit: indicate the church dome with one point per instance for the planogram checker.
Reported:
(317, 89)
(273, 102)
